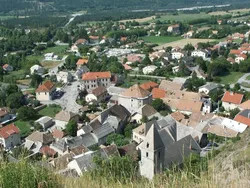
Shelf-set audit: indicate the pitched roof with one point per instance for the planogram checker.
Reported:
(126, 67)
(158, 93)
(108, 151)
(149, 85)
(146, 110)
(245, 105)
(168, 85)
(44, 138)
(8, 130)
(231, 97)
(178, 116)
(46, 150)
(99, 91)
(81, 41)
(119, 111)
(235, 52)
(130, 150)
(103, 131)
(210, 86)
(45, 87)
(4, 111)
(243, 117)
(5, 66)
(82, 61)
(65, 116)
(189, 105)
(152, 140)
(58, 134)
(96, 75)
(136, 91)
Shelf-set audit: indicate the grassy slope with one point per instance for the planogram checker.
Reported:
(231, 78)
(50, 111)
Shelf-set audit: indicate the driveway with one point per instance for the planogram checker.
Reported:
(244, 79)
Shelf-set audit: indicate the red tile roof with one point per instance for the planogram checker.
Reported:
(58, 134)
(242, 119)
(45, 87)
(82, 61)
(235, 52)
(231, 97)
(96, 75)
(158, 93)
(127, 67)
(149, 85)
(8, 130)
(94, 37)
(123, 38)
(46, 150)
(81, 41)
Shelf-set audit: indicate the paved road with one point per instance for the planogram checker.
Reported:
(243, 79)
(55, 69)
(68, 100)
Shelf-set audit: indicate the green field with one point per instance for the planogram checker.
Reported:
(231, 78)
(58, 50)
(181, 17)
(161, 39)
(24, 127)
(35, 57)
(6, 17)
(50, 111)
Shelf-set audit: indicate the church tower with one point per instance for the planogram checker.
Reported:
(152, 153)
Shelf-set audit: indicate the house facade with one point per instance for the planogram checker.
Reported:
(199, 53)
(231, 100)
(92, 80)
(46, 91)
(10, 136)
(62, 118)
(97, 95)
(177, 55)
(37, 69)
(64, 77)
(134, 98)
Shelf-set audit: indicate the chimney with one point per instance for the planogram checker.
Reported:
(231, 93)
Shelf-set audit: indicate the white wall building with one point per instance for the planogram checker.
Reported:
(64, 77)
(37, 69)
(149, 69)
(199, 53)
(177, 55)
(10, 136)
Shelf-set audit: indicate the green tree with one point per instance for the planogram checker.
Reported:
(36, 80)
(71, 128)
(15, 100)
(146, 60)
(12, 88)
(236, 87)
(233, 113)
(118, 139)
(159, 105)
(26, 112)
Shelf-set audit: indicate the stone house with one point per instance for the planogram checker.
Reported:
(45, 122)
(64, 77)
(97, 95)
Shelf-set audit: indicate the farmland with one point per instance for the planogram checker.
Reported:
(160, 39)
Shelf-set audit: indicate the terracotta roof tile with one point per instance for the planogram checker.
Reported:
(127, 67)
(189, 105)
(136, 91)
(96, 75)
(245, 105)
(235, 52)
(58, 134)
(8, 130)
(242, 119)
(178, 116)
(5, 66)
(82, 61)
(46, 150)
(149, 85)
(99, 91)
(45, 87)
(158, 93)
(231, 97)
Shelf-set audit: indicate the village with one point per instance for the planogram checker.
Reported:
(123, 96)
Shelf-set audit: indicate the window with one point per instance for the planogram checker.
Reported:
(147, 144)
(146, 154)
(45, 93)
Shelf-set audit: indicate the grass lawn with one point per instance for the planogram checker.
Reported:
(248, 77)
(50, 111)
(132, 82)
(231, 78)
(50, 64)
(35, 57)
(161, 39)
(6, 17)
(24, 82)
(58, 50)
(24, 127)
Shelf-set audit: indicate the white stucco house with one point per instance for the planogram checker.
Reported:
(92, 80)
(134, 97)
(10, 136)
(37, 69)
(207, 88)
(177, 55)
(97, 95)
(46, 91)
(64, 77)
(50, 56)
(199, 53)
(149, 69)
(231, 100)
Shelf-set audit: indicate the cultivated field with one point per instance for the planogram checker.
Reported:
(183, 42)
(50, 64)
(218, 13)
